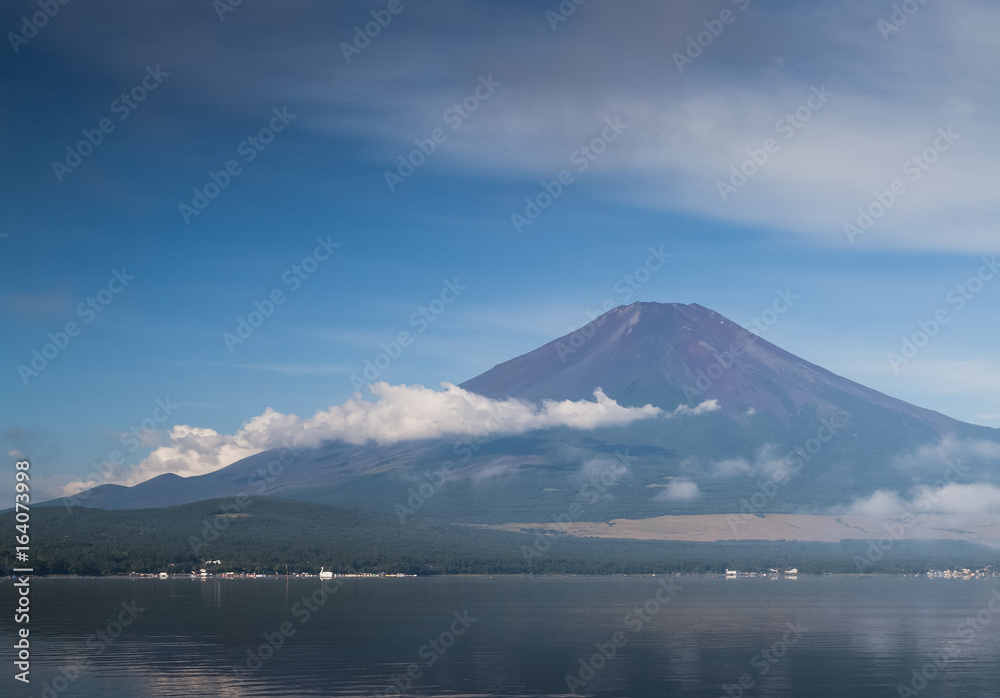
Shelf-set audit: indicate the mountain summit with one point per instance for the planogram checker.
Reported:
(669, 354)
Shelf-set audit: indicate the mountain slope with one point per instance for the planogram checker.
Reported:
(774, 410)
(670, 354)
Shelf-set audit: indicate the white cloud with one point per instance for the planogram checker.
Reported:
(943, 454)
(701, 408)
(398, 413)
(733, 467)
(607, 470)
(883, 504)
(768, 462)
(684, 135)
(981, 498)
(680, 490)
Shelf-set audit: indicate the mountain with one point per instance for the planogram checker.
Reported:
(668, 354)
(774, 410)
(264, 534)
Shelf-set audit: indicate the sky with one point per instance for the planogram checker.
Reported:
(213, 209)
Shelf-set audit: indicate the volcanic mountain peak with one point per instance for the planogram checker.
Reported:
(669, 354)
(666, 354)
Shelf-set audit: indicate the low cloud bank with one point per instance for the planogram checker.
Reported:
(769, 462)
(680, 490)
(399, 413)
(981, 498)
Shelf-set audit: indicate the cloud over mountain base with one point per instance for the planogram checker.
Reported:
(398, 413)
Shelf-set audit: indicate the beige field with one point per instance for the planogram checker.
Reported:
(801, 527)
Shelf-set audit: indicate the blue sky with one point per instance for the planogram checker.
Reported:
(547, 89)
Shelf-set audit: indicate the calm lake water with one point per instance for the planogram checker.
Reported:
(510, 636)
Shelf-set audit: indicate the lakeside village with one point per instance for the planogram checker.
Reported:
(793, 573)
(964, 573)
(207, 572)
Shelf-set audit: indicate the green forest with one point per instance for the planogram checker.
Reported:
(267, 535)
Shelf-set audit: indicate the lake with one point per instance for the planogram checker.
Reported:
(510, 636)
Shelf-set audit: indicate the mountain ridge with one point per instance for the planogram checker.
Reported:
(771, 404)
